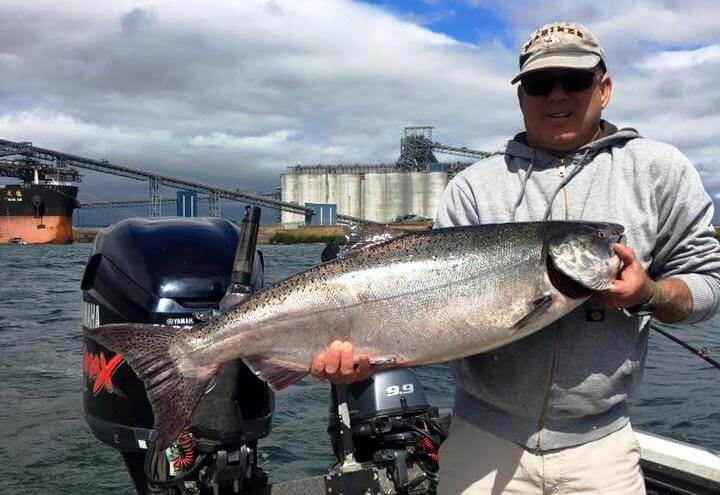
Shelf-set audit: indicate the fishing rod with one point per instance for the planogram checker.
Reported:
(701, 353)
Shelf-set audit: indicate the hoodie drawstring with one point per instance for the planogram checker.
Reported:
(572, 174)
(523, 184)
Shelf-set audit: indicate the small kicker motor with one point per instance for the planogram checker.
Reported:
(175, 272)
(385, 436)
(384, 433)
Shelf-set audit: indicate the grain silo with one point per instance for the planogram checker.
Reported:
(331, 192)
(412, 186)
(290, 193)
(394, 196)
(416, 193)
(348, 195)
(436, 182)
(373, 196)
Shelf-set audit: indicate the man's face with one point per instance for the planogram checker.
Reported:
(559, 114)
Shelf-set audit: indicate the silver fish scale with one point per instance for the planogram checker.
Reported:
(419, 299)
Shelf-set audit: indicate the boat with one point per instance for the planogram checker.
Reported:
(674, 467)
(670, 467)
(383, 432)
(39, 209)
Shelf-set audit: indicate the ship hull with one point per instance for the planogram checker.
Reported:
(37, 214)
(32, 230)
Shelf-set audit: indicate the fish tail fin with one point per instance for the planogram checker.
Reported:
(173, 391)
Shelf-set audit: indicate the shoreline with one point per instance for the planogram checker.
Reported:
(281, 234)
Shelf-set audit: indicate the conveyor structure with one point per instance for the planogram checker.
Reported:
(155, 181)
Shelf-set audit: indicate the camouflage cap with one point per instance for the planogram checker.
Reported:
(566, 45)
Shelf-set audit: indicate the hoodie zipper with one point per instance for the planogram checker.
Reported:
(563, 176)
(548, 389)
(556, 345)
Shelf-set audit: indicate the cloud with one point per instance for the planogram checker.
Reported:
(265, 83)
(231, 93)
(222, 140)
(662, 21)
(137, 19)
(59, 129)
(682, 59)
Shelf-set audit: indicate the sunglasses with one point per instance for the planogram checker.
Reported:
(543, 83)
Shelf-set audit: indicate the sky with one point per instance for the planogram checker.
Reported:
(231, 93)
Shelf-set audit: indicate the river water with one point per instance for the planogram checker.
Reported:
(46, 447)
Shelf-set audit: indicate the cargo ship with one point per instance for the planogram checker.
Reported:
(39, 209)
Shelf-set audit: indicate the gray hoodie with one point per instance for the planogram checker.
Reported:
(567, 384)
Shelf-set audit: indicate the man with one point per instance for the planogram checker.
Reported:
(547, 414)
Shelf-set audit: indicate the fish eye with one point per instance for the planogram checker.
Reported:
(599, 234)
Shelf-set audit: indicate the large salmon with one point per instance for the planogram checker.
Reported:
(413, 300)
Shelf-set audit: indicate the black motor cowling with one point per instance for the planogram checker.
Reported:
(171, 272)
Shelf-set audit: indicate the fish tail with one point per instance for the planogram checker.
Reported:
(173, 390)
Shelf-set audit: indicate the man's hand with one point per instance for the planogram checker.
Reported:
(631, 286)
(337, 364)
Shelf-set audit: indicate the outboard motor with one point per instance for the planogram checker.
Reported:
(391, 443)
(171, 272)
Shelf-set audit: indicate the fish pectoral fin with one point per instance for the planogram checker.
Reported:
(278, 373)
(540, 305)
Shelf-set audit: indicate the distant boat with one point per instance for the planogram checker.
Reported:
(38, 210)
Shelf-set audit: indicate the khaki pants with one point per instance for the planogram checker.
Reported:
(475, 462)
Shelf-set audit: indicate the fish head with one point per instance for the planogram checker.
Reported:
(583, 253)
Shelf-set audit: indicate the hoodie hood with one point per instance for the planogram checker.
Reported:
(518, 148)
(609, 136)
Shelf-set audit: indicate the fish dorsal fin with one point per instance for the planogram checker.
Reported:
(540, 305)
(360, 236)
